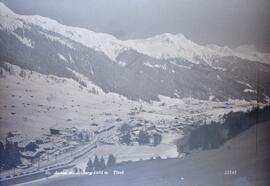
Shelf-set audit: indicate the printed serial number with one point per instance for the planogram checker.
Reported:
(230, 172)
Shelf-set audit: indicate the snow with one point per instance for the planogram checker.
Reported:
(98, 41)
(250, 91)
(122, 63)
(198, 168)
(244, 83)
(162, 66)
(164, 46)
(167, 46)
(8, 19)
(40, 101)
(130, 153)
(211, 98)
(54, 38)
(180, 66)
(89, 83)
(250, 50)
(24, 40)
(62, 57)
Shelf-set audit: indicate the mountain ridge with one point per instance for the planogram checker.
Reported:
(163, 46)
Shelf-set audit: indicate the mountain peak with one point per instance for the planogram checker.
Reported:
(167, 37)
(4, 10)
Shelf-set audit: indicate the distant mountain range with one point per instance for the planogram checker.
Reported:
(167, 64)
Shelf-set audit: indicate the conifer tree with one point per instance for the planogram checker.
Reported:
(111, 161)
(96, 164)
(2, 150)
(102, 163)
(90, 166)
(157, 139)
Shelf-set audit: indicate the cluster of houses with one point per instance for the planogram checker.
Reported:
(56, 141)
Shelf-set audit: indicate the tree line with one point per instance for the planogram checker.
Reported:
(215, 134)
(9, 155)
(99, 164)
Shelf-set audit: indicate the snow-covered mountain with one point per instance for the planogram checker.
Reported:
(164, 46)
(166, 64)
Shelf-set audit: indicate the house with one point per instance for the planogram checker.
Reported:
(85, 136)
(32, 155)
(42, 140)
(54, 131)
(27, 145)
(73, 144)
(46, 146)
(72, 130)
(15, 139)
(68, 137)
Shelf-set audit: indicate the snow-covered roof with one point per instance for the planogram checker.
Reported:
(15, 139)
(30, 154)
(24, 143)
(46, 146)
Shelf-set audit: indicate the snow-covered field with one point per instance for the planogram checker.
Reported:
(129, 153)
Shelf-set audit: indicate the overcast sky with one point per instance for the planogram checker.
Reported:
(223, 22)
